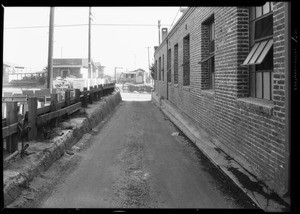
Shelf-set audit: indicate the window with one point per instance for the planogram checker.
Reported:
(156, 70)
(159, 68)
(260, 57)
(163, 68)
(169, 66)
(209, 59)
(186, 60)
(176, 64)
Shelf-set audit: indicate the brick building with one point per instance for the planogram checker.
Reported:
(227, 68)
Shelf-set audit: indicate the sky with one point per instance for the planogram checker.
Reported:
(26, 35)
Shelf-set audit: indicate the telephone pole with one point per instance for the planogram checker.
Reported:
(50, 50)
(158, 32)
(148, 63)
(89, 46)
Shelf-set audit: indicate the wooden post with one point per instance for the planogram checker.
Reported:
(102, 93)
(67, 98)
(84, 103)
(53, 107)
(32, 106)
(91, 95)
(77, 95)
(95, 93)
(11, 118)
(99, 92)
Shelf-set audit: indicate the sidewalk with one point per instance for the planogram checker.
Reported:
(255, 189)
(18, 172)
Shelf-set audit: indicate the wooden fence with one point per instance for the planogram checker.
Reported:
(41, 116)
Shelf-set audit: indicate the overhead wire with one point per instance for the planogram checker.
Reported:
(95, 24)
(174, 18)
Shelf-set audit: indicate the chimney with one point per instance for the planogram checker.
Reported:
(164, 33)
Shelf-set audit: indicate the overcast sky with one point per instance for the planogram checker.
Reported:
(113, 46)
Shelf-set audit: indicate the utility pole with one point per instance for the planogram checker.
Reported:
(148, 63)
(116, 73)
(50, 50)
(89, 48)
(158, 32)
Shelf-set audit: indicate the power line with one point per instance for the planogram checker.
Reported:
(77, 25)
(174, 18)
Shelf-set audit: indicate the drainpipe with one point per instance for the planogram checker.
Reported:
(167, 41)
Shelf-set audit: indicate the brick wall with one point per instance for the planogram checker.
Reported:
(251, 131)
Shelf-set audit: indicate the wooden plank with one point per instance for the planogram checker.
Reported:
(9, 130)
(53, 108)
(77, 95)
(60, 104)
(43, 110)
(12, 118)
(46, 117)
(32, 114)
(16, 99)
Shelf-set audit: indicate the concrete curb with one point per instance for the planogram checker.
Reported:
(15, 181)
(260, 194)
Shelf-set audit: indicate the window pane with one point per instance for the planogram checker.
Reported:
(251, 31)
(252, 84)
(259, 84)
(266, 8)
(258, 12)
(266, 85)
(212, 31)
(264, 27)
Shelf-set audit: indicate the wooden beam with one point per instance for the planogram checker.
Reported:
(9, 130)
(43, 110)
(46, 117)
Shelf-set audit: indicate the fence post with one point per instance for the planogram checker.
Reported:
(11, 118)
(95, 93)
(53, 108)
(67, 98)
(84, 103)
(32, 107)
(99, 92)
(91, 95)
(77, 95)
(102, 94)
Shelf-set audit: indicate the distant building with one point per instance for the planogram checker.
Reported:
(76, 67)
(10, 69)
(136, 76)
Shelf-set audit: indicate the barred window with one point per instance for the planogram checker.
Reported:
(176, 64)
(163, 68)
(159, 68)
(186, 60)
(169, 65)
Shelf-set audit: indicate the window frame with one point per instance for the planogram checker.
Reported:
(254, 68)
(186, 60)
(176, 63)
(169, 67)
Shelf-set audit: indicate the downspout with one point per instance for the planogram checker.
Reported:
(167, 68)
(287, 65)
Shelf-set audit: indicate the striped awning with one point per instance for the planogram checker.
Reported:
(258, 52)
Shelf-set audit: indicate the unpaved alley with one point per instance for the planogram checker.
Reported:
(139, 159)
